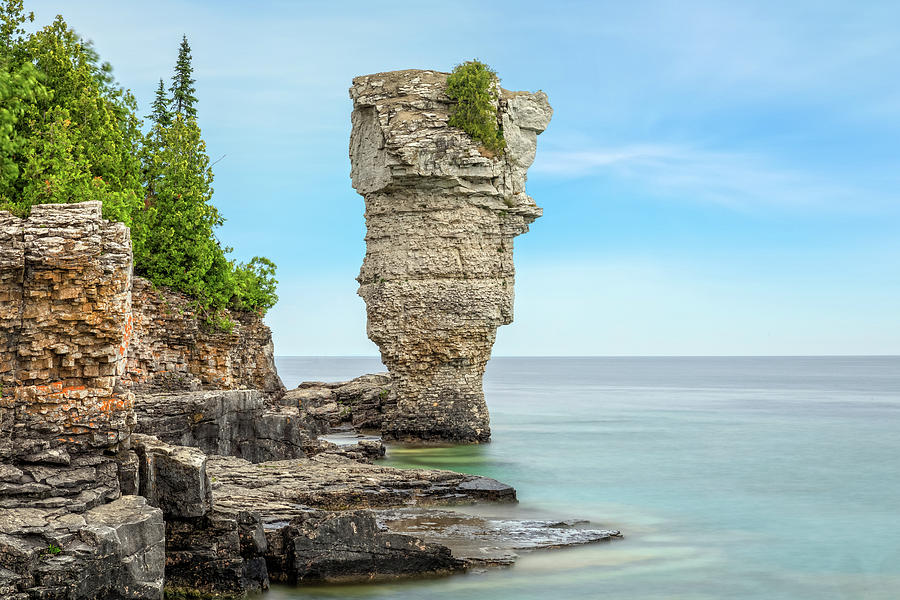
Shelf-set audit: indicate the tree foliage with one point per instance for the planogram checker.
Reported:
(473, 85)
(255, 285)
(72, 133)
(180, 249)
(160, 113)
(183, 99)
(69, 133)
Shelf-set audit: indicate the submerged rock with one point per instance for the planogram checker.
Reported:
(490, 540)
(441, 215)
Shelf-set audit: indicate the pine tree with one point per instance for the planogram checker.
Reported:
(161, 114)
(182, 89)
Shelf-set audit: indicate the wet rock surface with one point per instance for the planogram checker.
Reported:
(480, 540)
(350, 546)
(441, 215)
(221, 554)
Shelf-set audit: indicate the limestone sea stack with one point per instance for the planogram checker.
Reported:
(441, 215)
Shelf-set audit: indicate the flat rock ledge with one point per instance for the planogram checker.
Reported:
(490, 541)
(281, 490)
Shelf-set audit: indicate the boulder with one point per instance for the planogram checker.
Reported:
(173, 478)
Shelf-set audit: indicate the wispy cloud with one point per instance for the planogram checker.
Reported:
(734, 179)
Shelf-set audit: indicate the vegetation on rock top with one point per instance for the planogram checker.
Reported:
(473, 86)
(69, 133)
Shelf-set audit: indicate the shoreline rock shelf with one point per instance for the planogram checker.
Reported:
(441, 215)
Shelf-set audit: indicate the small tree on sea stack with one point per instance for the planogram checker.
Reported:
(472, 84)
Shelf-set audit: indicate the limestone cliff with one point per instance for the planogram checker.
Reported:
(441, 215)
(66, 325)
(65, 421)
(77, 336)
(173, 349)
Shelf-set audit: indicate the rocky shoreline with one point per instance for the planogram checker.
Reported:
(254, 512)
(143, 453)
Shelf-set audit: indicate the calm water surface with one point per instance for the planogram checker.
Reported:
(741, 478)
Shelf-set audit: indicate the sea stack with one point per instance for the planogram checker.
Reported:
(441, 215)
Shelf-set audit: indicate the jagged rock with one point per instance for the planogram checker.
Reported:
(173, 478)
(222, 554)
(175, 350)
(358, 403)
(441, 215)
(350, 546)
(113, 551)
(227, 422)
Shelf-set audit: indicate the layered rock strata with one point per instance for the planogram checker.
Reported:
(359, 404)
(242, 423)
(441, 215)
(174, 349)
(71, 525)
(66, 323)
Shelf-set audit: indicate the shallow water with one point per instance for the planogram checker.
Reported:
(769, 478)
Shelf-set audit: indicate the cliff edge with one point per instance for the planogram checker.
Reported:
(441, 215)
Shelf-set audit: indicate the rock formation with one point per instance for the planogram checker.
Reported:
(66, 317)
(441, 215)
(358, 404)
(66, 531)
(113, 393)
(173, 349)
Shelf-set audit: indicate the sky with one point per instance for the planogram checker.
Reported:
(719, 178)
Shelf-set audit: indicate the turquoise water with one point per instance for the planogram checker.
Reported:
(775, 478)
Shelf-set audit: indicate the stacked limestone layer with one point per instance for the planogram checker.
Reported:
(441, 215)
(65, 422)
(175, 349)
(66, 323)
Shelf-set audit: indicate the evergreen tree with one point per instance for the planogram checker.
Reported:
(69, 133)
(182, 89)
(181, 250)
(160, 113)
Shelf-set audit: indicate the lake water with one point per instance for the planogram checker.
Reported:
(764, 478)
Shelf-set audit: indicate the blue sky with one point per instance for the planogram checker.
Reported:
(719, 178)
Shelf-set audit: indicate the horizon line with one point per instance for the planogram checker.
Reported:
(621, 356)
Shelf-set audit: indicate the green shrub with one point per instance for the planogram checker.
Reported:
(254, 285)
(472, 86)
